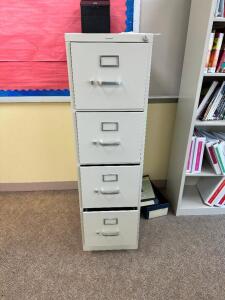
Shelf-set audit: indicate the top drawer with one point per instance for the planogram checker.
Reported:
(110, 76)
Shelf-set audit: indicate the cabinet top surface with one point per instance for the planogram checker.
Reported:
(109, 37)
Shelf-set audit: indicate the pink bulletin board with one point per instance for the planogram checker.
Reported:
(32, 48)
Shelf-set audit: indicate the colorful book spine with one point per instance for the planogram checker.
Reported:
(198, 154)
(216, 102)
(220, 110)
(224, 9)
(190, 154)
(212, 158)
(214, 198)
(217, 43)
(220, 156)
(221, 62)
(221, 201)
(211, 39)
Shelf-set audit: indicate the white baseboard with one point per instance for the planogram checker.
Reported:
(38, 186)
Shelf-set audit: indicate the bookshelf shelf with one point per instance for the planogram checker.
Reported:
(214, 74)
(219, 19)
(184, 197)
(209, 123)
(207, 171)
(192, 204)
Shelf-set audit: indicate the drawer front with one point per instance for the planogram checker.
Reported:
(110, 76)
(110, 186)
(110, 230)
(110, 137)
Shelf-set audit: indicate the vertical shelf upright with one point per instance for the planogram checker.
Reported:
(181, 187)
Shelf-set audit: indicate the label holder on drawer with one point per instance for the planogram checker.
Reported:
(110, 177)
(109, 61)
(109, 126)
(113, 221)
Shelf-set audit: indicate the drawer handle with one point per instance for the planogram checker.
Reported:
(103, 143)
(108, 233)
(107, 192)
(104, 83)
(108, 82)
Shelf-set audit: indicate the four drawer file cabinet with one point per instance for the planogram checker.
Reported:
(109, 83)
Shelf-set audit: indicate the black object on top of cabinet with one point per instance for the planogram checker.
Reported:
(95, 16)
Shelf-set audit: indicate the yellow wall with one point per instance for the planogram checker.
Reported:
(36, 142)
(159, 133)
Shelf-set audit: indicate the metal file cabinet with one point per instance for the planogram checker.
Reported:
(109, 84)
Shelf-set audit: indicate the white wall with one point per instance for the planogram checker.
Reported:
(170, 18)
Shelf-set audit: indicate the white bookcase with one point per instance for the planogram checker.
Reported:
(109, 83)
(181, 187)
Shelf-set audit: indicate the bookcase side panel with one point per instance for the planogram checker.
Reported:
(200, 24)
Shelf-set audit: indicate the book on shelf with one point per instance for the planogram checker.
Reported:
(215, 104)
(221, 61)
(190, 155)
(215, 52)
(211, 39)
(212, 106)
(211, 155)
(219, 10)
(221, 202)
(219, 154)
(215, 59)
(206, 100)
(215, 149)
(212, 190)
(195, 154)
(198, 154)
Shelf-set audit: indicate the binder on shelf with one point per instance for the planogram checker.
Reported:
(198, 154)
(190, 154)
(221, 202)
(211, 140)
(220, 156)
(212, 157)
(212, 190)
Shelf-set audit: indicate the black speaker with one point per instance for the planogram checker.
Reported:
(95, 16)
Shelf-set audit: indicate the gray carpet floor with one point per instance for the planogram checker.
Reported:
(41, 255)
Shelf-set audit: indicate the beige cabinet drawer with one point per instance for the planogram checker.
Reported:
(110, 186)
(110, 76)
(110, 230)
(110, 137)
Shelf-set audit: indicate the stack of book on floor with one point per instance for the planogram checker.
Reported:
(220, 8)
(212, 190)
(215, 61)
(153, 204)
(215, 149)
(212, 105)
(195, 154)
